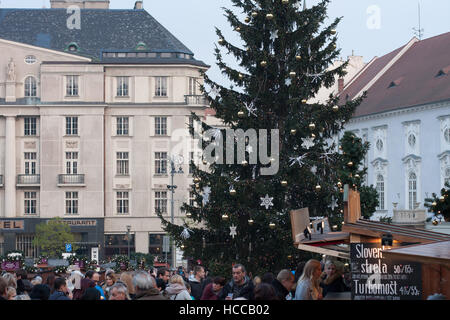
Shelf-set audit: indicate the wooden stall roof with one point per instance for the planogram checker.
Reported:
(406, 234)
(437, 252)
(327, 244)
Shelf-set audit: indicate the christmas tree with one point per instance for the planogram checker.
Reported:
(352, 172)
(439, 205)
(241, 213)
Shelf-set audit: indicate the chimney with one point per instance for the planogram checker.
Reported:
(340, 85)
(138, 5)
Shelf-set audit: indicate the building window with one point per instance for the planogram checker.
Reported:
(155, 247)
(30, 203)
(122, 164)
(412, 140)
(161, 201)
(72, 86)
(118, 244)
(412, 190)
(30, 59)
(161, 126)
(71, 162)
(122, 126)
(447, 135)
(192, 86)
(122, 86)
(30, 87)
(71, 126)
(161, 87)
(30, 126)
(160, 162)
(30, 163)
(71, 203)
(447, 176)
(122, 202)
(379, 145)
(24, 243)
(380, 190)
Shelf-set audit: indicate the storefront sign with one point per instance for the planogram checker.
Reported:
(375, 277)
(11, 224)
(10, 265)
(80, 223)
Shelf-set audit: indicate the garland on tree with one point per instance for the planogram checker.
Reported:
(440, 205)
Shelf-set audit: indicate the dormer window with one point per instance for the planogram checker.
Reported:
(73, 47)
(141, 46)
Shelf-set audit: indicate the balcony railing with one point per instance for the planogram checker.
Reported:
(70, 179)
(409, 217)
(29, 179)
(195, 100)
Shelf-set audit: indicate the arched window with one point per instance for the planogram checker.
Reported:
(380, 190)
(412, 190)
(30, 87)
(447, 175)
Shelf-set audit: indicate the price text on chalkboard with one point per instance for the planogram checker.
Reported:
(375, 277)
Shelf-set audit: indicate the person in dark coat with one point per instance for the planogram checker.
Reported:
(331, 279)
(40, 292)
(240, 287)
(265, 291)
(197, 282)
(61, 290)
(85, 283)
(213, 290)
(22, 281)
(91, 294)
(283, 284)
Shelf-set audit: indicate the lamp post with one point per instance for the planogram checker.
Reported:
(128, 238)
(172, 188)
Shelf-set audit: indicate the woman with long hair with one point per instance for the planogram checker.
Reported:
(176, 290)
(110, 280)
(308, 287)
(127, 278)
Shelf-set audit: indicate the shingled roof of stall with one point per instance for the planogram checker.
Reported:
(105, 35)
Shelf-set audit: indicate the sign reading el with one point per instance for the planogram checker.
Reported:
(11, 225)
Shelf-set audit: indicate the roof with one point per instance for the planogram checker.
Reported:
(404, 234)
(437, 252)
(413, 75)
(100, 30)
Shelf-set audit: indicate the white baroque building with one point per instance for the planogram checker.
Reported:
(87, 115)
(406, 119)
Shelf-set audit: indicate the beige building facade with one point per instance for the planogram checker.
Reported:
(88, 136)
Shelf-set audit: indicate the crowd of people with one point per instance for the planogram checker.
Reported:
(312, 280)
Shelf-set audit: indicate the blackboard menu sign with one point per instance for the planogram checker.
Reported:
(375, 277)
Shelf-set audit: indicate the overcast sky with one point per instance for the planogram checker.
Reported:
(369, 27)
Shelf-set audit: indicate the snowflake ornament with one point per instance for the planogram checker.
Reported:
(185, 233)
(266, 202)
(250, 108)
(308, 143)
(298, 159)
(288, 81)
(206, 193)
(273, 35)
(233, 232)
(333, 203)
(314, 169)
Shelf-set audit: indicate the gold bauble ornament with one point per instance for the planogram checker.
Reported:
(197, 186)
(434, 204)
(304, 101)
(285, 1)
(272, 225)
(233, 192)
(298, 58)
(350, 164)
(442, 199)
(238, 29)
(284, 183)
(334, 46)
(313, 135)
(221, 41)
(205, 162)
(254, 14)
(196, 180)
(339, 184)
(244, 163)
(293, 132)
(312, 126)
(250, 222)
(269, 16)
(292, 74)
(182, 246)
(336, 108)
(318, 188)
(263, 63)
(357, 176)
(333, 32)
(241, 76)
(289, 257)
(188, 214)
(247, 20)
(435, 222)
(225, 217)
(241, 114)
